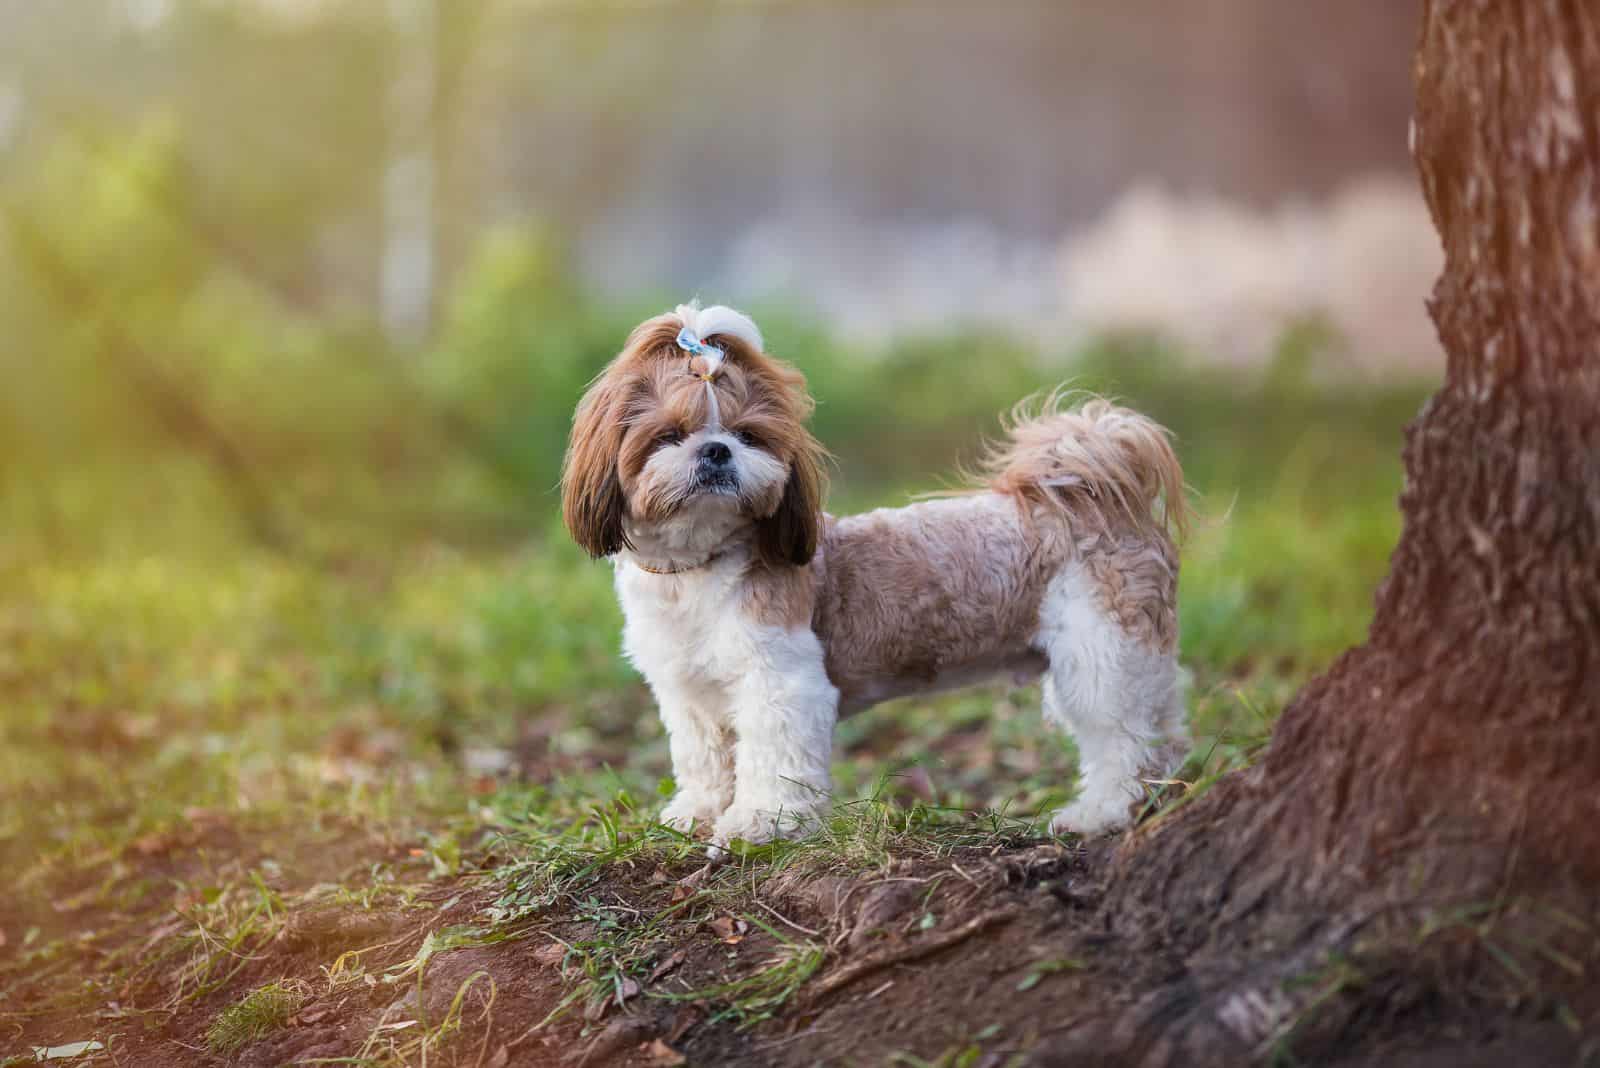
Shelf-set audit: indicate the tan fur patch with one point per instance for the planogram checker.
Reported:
(932, 596)
(948, 591)
(780, 596)
(1137, 584)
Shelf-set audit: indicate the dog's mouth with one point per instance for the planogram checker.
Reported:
(716, 483)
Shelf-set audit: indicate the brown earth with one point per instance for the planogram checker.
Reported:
(1019, 961)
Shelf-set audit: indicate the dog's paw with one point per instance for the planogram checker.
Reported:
(1094, 814)
(689, 809)
(758, 825)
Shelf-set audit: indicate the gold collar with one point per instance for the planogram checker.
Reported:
(707, 562)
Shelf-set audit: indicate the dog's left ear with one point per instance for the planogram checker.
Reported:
(788, 537)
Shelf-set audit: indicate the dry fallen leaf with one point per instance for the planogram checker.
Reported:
(729, 930)
(662, 1054)
(684, 1019)
(695, 878)
(677, 958)
(630, 989)
(70, 1051)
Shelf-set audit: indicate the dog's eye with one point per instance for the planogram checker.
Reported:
(670, 437)
(748, 439)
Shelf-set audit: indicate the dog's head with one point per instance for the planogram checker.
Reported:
(693, 432)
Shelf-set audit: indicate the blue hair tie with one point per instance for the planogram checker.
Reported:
(690, 342)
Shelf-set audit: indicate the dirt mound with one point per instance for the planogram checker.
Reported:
(1000, 954)
(920, 956)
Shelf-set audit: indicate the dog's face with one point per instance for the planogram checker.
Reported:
(661, 452)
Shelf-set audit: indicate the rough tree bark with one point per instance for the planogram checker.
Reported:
(1418, 851)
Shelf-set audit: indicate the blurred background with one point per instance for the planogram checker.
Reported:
(296, 298)
(293, 253)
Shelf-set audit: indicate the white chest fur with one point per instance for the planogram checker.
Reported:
(688, 628)
(748, 707)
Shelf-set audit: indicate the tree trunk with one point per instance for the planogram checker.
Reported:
(1418, 851)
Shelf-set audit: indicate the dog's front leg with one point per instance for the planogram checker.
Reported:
(702, 754)
(784, 712)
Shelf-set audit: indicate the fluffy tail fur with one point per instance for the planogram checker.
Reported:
(1091, 460)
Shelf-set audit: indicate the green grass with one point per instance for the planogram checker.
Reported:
(568, 858)
(755, 997)
(259, 1013)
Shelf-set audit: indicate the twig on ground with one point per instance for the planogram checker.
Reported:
(787, 920)
(810, 1032)
(922, 947)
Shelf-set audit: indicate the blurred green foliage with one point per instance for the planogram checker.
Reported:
(156, 386)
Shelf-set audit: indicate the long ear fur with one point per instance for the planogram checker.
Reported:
(789, 536)
(592, 502)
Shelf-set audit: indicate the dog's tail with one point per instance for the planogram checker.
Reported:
(1093, 461)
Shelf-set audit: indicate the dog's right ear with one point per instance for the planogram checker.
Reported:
(592, 502)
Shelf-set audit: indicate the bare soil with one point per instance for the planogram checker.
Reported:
(989, 957)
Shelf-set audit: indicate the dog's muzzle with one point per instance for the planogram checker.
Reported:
(714, 468)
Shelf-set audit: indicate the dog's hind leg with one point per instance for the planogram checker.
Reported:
(1120, 698)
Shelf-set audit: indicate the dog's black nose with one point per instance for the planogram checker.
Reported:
(715, 453)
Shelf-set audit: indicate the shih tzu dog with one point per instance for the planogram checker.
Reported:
(758, 619)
